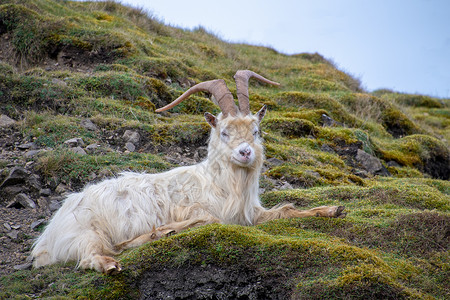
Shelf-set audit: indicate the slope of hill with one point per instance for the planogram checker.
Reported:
(79, 83)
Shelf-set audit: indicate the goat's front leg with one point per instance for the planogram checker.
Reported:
(156, 234)
(289, 211)
(164, 231)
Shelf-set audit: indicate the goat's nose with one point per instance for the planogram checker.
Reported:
(245, 152)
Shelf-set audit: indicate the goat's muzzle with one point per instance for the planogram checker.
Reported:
(243, 155)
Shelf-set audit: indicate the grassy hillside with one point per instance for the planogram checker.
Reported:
(63, 62)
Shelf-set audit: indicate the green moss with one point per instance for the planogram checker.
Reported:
(111, 67)
(257, 101)
(112, 84)
(159, 67)
(310, 84)
(312, 115)
(290, 127)
(393, 194)
(404, 172)
(186, 133)
(414, 100)
(296, 175)
(315, 101)
(77, 170)
(442, 186)
(397, 123)
(196, 105)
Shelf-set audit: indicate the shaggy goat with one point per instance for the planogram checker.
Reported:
(125, 212)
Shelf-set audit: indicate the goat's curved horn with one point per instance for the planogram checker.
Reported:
(241, 77)
(218, 88)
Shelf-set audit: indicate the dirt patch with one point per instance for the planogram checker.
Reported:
(437, 165)
(71, 57)
(210, 282)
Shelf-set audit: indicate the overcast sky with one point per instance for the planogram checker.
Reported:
(402, 45)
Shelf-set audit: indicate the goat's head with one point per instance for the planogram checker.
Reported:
(235, 132)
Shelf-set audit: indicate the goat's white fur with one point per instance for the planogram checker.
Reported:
(91, 222)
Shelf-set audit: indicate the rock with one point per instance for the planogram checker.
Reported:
(131, 136)
(329, 122)
(59, 82)
(130, 147)
(327, 148)
(45, 192)
(61, 188)
(34, 182)
(7, 226)
(6, 121)
(370, 163)
(31, 153)
(274, 161)
(23, 200)
(78, 150)
(86, 123)
(37, 223)
(91, 148)
(17, 175)
(186, 161)
(312, 173)
(202, 152)
(11, 191)
(393, 163)
(13, 234)
(27, 146)
(285, 186)
(42, 202)
(75, 142)
(54, 205)
(186, 82)
(361, 173)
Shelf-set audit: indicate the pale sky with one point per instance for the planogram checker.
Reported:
(402, 45)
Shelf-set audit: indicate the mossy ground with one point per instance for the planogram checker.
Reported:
(114, 64)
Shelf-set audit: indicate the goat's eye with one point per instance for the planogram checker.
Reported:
(224, 134)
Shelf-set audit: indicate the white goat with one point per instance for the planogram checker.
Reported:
(125, 212)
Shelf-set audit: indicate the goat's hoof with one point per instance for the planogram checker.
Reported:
(110, 266)
(163, 231)
(114, 269)
(340, 212)
(169, 232)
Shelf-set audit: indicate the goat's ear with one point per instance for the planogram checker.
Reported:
(261, 113)
(211, 119)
